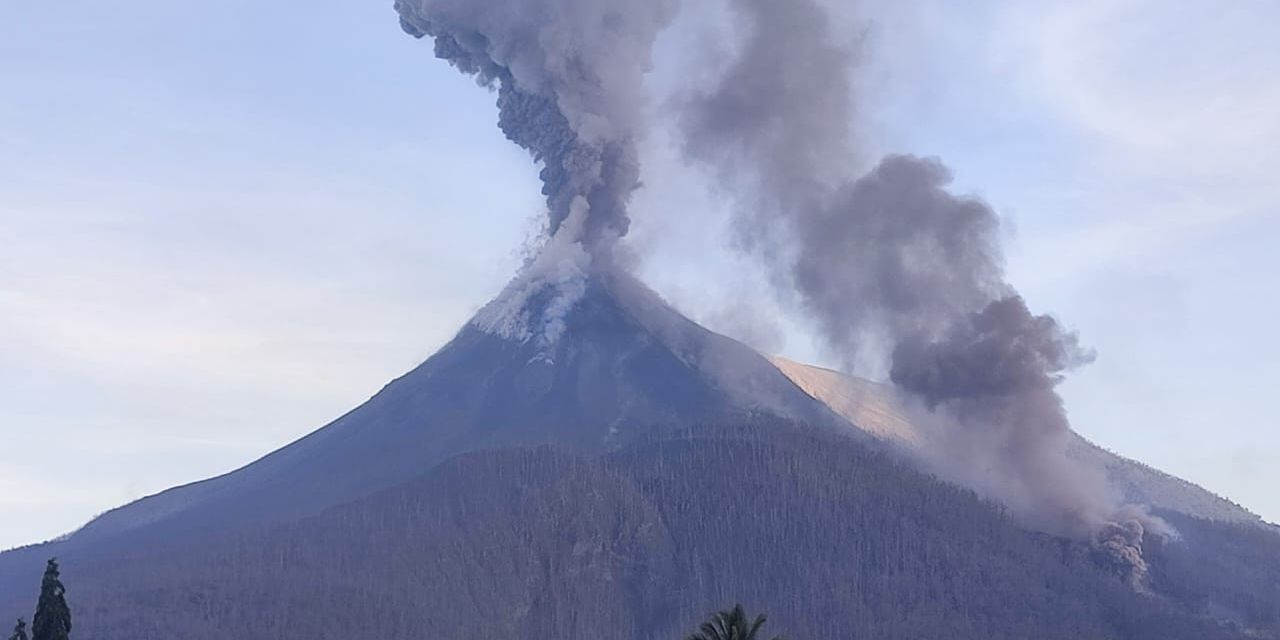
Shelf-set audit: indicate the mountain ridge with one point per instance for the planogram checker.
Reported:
(874, 408)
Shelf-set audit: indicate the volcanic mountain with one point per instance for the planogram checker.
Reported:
(621, 363)
(583, 461)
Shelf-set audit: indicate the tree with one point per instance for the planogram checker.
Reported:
(53, 616)
(20, 631)
(730, 625)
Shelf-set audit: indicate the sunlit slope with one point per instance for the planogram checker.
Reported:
(872, 407)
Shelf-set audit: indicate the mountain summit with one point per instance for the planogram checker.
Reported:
(584, 363)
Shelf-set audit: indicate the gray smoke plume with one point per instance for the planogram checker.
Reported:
(889, 262)
(992, 374)
(1120, 544)
(569, 78)
(892, 261)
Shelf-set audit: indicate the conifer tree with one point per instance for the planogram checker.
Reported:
(20, 631)
(53, 616)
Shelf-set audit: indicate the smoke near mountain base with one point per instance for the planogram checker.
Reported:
(893, 262)
(1121, 545)
(889, 265)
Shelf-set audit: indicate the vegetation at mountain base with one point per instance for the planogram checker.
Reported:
(1223, 570)
(20, 630)
(834, 538)
(53, 616)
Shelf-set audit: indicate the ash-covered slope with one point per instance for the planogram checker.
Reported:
(585, 365)
(875, 409)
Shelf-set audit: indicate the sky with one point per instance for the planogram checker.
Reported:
(224, 224)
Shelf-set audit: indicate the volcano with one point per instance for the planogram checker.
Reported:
(622, 362)
(582, 460)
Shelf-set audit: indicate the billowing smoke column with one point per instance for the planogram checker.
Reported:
(992, 374)
(569, 77)
(889, 263)
(893, 261)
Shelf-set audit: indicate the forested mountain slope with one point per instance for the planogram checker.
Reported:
(832, 538)
(686, 472)
(529, 369)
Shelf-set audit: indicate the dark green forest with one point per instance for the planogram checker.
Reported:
(831, 537)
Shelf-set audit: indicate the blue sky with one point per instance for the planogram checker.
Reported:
(223, 224)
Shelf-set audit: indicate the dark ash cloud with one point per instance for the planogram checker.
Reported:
(569, 78)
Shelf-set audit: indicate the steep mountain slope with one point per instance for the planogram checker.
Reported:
(873, 407)
(833, 539)
(687, 472)
(620, 362)
(623, 360)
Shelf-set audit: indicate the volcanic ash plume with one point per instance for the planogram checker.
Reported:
(894, 267)
(569, 78)
(992, 374)
(569, 81)
(890, 265)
